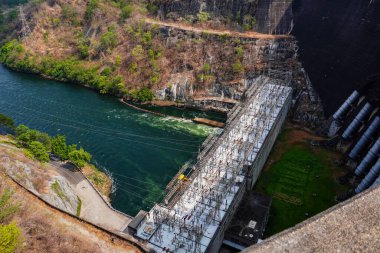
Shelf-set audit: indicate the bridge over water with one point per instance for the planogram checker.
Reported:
(196, 212)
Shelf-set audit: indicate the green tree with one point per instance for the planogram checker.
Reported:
(9, 239)
(39, 151)
(25, 138)
(142, 95)
(147, 38)
(71, 148)
(21, 129)
(79, 157)
(59, 146)
(108, 40)
(6, 123)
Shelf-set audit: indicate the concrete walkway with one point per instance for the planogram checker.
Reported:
(94, 209)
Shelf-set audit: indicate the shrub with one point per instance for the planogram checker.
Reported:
(147, 38)
(138, 52)
(206, 68)
(6, 123)
(59, 146)
(239, 51)
(142, 95)
(203, 16)
(56, 187)
(79, 157)
(126, 12)
(154, 79)
(39, 151)
(108, 40)
(133, 68)
(21, 129)
(152, 8)
(70, 14)
(237, 67)
(9, 239)
(91, 7)
(82, 45)
(46, 36)
(79, 206)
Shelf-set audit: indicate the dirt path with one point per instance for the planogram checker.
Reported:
(250, 35)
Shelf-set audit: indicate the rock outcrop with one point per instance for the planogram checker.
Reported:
(42, 182)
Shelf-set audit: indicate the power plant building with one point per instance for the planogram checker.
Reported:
(199, 213)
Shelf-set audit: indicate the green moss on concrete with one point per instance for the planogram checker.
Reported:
(300, 181)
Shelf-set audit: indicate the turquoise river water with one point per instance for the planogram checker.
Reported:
(141, 151)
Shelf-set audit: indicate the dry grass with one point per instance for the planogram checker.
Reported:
(47, 230)
(99, 179)
(183, 53)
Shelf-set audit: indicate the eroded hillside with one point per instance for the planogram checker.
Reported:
(116, 47)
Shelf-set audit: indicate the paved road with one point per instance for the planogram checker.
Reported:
(94, 209)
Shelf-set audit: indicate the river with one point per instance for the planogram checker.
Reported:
(141, 151)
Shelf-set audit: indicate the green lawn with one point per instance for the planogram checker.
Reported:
(301, 183)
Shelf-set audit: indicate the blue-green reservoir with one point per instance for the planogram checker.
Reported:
(141, 151)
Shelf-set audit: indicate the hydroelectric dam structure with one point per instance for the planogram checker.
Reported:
(196, 212)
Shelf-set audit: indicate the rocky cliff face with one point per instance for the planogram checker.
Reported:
(38, 179)
(233, 10)
(264, 16)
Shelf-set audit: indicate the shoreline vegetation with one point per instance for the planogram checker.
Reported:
(44, 148)
(15, 57)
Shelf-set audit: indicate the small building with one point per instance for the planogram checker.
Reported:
(248, 224)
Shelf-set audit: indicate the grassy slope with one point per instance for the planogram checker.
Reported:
(300, 179)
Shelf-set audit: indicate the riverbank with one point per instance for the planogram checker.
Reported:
(197, 120)
(119, 138)
(60, 185)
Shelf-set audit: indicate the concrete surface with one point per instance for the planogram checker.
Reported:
(351, 226)
(94, 209)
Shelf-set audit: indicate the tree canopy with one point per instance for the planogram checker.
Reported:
(39, 151)
(79, 157)
(59, 147)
